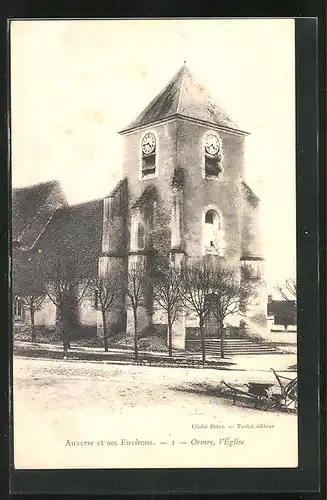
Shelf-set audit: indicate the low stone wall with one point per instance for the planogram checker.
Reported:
(233, 332)
(283, 337)
(280, 328)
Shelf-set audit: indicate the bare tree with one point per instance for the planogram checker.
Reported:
(108, 291)
(32, 302)
(168, 294)
(230, 295)
(199, 283)
(288, 290)
(214, 287)
(136, 290)
(28, 283)
(65, 287)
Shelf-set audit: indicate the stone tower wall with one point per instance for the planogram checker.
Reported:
(114, 257)
(115, 206)
(166, 161)
(199, 192)
(180, 147)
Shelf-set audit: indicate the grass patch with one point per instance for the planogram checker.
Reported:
(116, 341)
(149, 359)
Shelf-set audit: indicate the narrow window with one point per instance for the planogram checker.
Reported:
(140, 236)
(148, 155)
(133, 233)
(18, 310)
(18, 307)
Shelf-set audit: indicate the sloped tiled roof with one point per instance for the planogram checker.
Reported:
(183, 96)
(32, 209)
(75, 230)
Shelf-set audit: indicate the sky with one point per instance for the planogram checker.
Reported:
(75, 84)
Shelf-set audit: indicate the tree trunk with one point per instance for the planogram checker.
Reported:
(65, 339)
(135, 335)
(170, 336)
(65, 332)
(222, 344)
(105, 331)
(202, 342)
(32, 321)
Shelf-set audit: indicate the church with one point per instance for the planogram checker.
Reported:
(183, 190)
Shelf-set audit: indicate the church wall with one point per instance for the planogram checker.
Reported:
(256, 311)
(251, 249)
(251, 230)
(200, 192)
(159, 316)
(115, 314)
(165, 166)
(46, 316)
(144, 319)
(87, 314)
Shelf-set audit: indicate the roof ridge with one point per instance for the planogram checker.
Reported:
(181, 88)
(42, 230)
(36, 215)
(37, 184)
(74, 205)
(250, 190)
(183, 95)
(156, 97)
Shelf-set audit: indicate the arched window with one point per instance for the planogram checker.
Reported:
(213, 235)
(212, 155)
(149, 154)
(18, 309)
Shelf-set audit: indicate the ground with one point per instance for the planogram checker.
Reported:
(60, 404)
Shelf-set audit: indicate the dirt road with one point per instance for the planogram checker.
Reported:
(60, 404)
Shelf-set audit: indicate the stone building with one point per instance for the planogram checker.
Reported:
(283, 312)
(183, 190)
(46, 231)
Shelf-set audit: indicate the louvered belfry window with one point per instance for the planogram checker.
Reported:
(212, 154)
(212, 166)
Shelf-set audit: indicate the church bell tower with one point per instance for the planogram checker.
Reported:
(184, 165)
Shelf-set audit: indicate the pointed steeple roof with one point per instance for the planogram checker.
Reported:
(183, 96)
